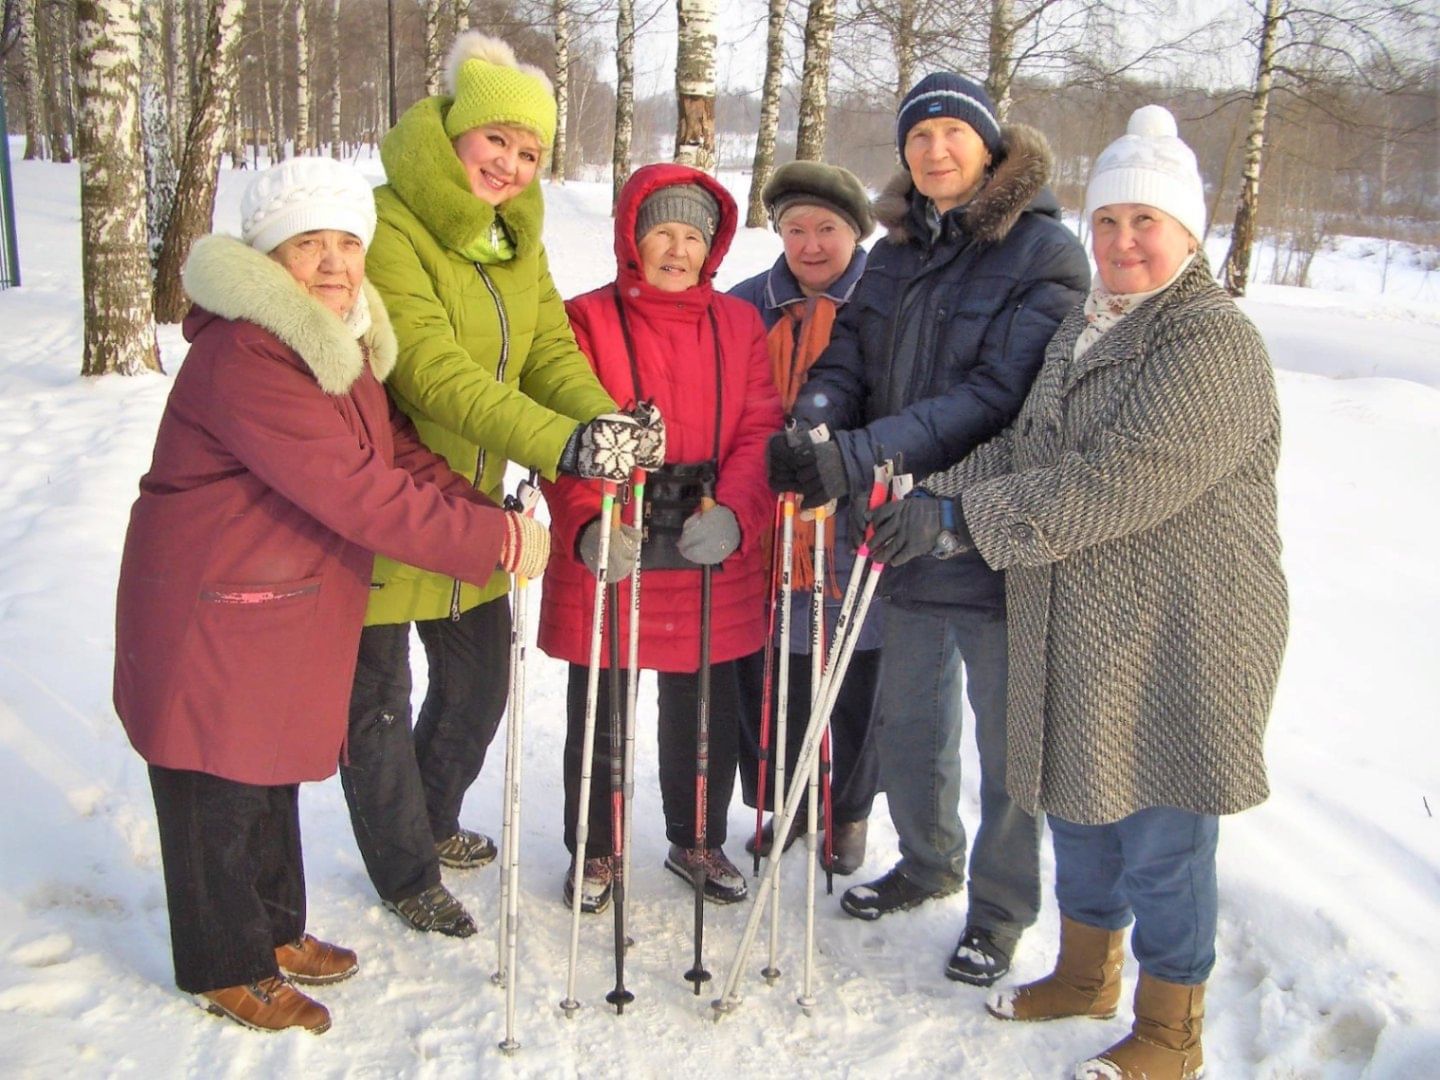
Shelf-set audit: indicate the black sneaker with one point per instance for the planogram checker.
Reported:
(892, 892)
(723, 883)
(465, 850)
(435, 909)
(978, 959)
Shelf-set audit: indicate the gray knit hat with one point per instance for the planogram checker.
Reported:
(688, 204)
(811, 183)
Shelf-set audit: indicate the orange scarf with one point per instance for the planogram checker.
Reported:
(795, 341)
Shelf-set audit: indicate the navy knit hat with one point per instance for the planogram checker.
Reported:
(947, 94)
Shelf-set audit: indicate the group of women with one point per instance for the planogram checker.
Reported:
(329, 464)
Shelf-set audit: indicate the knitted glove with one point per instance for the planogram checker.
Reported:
(651, 454)
(604, 449)
(783, 458)
(624, 550)
(822, 477)
(709, 535)
(526, 547)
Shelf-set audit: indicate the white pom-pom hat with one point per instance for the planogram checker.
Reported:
(1150, 164)
(303, 194)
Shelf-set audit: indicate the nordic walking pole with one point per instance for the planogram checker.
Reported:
(771, 970)
(632, 666)
(523, 501)
(852, 611)
(587, 746)
(697, 975)
(619, 997)
(767, 685)
(806, 1000)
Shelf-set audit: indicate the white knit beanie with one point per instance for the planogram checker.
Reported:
(1150, 164)
(303, 194)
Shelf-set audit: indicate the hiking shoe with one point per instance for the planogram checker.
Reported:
(312, 962)
(268, 1005)
(595, 886)
(434, 909)
(848, 848)
(723, 883)
(767, 837)
(465, 850)
(978, 959)
(892, 892)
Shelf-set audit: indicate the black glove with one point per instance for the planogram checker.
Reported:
(604, 449)
(908, 528)
(783, 457)
(821, 478)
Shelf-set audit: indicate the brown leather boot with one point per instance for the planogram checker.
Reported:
(1164, 1043)
(311, 961)
(1085, 982)
(849, 847)
(269, 1005)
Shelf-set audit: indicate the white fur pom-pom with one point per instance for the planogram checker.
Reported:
(473, 45)
(1151, 122)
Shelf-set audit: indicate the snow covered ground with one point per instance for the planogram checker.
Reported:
(1330, 902)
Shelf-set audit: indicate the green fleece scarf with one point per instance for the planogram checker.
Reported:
(421, 167)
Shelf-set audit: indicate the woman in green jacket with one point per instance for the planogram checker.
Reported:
(489, 371)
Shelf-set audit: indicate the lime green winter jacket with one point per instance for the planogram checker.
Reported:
(488, 368)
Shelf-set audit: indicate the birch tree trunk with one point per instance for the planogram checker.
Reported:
(29, 45)
(161, 174)
(195, 195)
(119, 326)
(561, 11)
(53, 43)
(434, 36)
(695, 84)
(332, 133)
(270, 55)
(1236, 273)
(624, 98)
(815, 81)
(301, 39)
(764, 163)
(906, 49)
(1001, 56)
(180, 15)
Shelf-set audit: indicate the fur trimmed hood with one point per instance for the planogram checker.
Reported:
(1018, 177)
(230, 279)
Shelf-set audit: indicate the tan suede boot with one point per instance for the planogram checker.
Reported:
(1164, 1044)
(1085, 982)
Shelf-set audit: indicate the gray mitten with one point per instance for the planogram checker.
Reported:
(708, 536)
(624, 550)
(604, 449)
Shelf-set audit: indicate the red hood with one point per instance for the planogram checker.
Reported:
(644, 182)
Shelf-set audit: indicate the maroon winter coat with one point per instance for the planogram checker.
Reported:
(280, 467)
(675, 356)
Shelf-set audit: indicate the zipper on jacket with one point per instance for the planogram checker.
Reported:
(499, 377)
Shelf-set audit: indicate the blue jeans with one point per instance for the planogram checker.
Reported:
(1157, 865)
(927, 654)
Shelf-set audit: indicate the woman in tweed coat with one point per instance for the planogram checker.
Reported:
(1132, 504)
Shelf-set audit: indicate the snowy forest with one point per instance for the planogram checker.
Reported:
(1329, 110)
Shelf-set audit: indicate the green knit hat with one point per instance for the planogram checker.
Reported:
(489, 86)
(812, 183)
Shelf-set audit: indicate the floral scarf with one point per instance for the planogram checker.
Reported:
(1103, 309)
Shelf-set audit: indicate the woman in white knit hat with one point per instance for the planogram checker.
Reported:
(1132, 506)
(280, 468)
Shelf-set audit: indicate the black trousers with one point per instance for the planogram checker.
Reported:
(234, 882)
(855, 766)
(678, 695)
(405, 790)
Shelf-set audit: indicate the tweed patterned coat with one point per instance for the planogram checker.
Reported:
(1132, 506)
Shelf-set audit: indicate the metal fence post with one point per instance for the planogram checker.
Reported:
(9, 247)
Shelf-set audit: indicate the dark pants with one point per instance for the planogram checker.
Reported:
(234, 882)
(1157, 866)
(678, 694)
(405, 791)
(855, 768)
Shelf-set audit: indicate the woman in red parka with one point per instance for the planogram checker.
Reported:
(659, 332)
(280, 468)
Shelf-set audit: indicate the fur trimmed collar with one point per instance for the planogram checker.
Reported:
(421, 167)
(234, 281)
(1020, 172)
